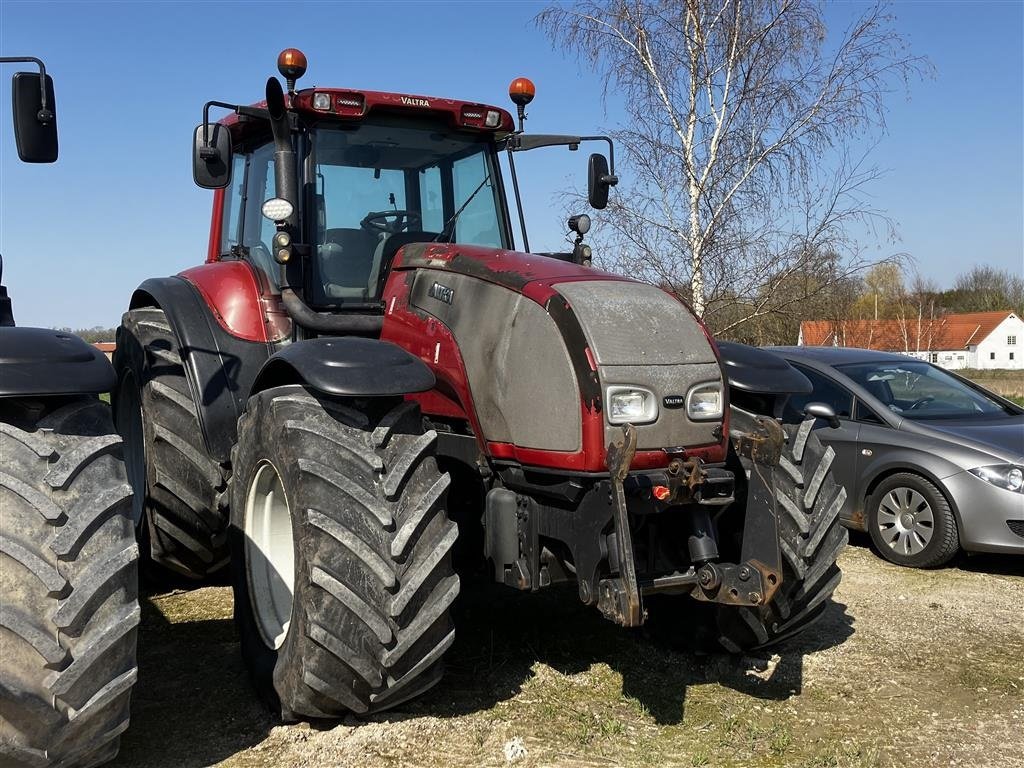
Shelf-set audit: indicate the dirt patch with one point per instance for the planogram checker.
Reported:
(906, 668)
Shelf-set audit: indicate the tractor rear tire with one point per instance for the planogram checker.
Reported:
(810, 539)
(180, 491)
(69, 608)
(341, 553)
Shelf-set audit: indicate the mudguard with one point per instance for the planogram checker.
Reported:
(749, 369)
(220, 367)
(42, 361)
(347, 366)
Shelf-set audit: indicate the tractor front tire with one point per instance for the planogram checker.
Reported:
(69, 608)
(808, 501)
(180, 491)
(341, 553)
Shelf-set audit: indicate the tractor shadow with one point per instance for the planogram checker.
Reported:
(501, 637)
(193, 704)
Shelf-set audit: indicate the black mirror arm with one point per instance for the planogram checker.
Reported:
(44, 115)
(523, 142)
(210, 153)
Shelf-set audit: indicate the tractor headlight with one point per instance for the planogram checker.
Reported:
(704, 401)
(1007, 476)
(631, 405)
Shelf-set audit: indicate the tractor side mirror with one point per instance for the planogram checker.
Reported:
(35, 129)
(211, 156)
(822, 411)
(599, 181)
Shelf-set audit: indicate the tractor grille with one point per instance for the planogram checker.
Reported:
(1017, 526)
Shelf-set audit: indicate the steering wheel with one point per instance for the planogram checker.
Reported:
(391, 222)
(919, 402)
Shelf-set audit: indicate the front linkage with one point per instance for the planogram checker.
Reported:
(754, 580)
(635, 534)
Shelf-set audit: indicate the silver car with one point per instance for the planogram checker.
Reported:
(932, 463)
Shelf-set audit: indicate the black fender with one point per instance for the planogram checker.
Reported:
(750, 369)
(37, 362)
(347, 366)
(220, 367)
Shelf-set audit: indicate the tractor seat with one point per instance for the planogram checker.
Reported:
(344, 266)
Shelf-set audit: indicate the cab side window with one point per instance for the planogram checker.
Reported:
(825, 391)
(234, 201)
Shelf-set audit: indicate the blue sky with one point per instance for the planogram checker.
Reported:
(131, 78)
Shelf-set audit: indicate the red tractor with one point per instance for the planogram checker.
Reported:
(366, 385)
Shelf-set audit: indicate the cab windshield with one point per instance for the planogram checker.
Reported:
(375, 187)
(918, 390)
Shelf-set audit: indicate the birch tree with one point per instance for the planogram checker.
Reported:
(746, 144)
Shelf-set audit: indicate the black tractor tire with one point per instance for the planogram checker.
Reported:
(808, 501)
(369, 553)
(917, 496)
(69, 607)
(180, 506)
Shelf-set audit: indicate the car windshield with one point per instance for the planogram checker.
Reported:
(381, 185)
(918, 390)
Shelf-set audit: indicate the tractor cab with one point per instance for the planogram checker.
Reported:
(352, 177)
(388, 182)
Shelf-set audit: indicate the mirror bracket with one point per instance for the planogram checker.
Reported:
(45, 114)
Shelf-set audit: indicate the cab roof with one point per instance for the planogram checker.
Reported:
(352, 105)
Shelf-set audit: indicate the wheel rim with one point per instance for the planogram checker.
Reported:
(269, 554)
(129, 422)
(905, 521)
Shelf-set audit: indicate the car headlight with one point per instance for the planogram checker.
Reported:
(632, 405)
(704, 401)
(1008, 476)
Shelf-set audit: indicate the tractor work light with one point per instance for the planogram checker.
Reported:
(322, 102)
(350, 104)
(631, 405)
(579, 224)
(480, 117)
(277, 209)
(704, 402)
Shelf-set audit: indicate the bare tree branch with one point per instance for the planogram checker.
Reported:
(742, 116)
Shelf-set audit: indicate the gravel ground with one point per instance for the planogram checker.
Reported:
(906, 668)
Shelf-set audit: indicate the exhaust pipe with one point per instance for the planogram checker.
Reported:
(286, 187)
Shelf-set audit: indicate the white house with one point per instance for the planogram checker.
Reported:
(969, 340)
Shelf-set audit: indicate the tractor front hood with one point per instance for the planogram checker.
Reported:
(544, 341)
(510, 269)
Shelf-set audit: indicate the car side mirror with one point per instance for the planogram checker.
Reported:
(211, 156)
(35, 129)
(599, 181)
(824, 412)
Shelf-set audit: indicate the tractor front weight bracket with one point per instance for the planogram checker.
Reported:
(760, 440)
(619, 598)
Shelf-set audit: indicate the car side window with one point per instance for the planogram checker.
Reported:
(863, 413)
(825, 391)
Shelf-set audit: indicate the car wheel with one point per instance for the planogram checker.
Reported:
(910, 522)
